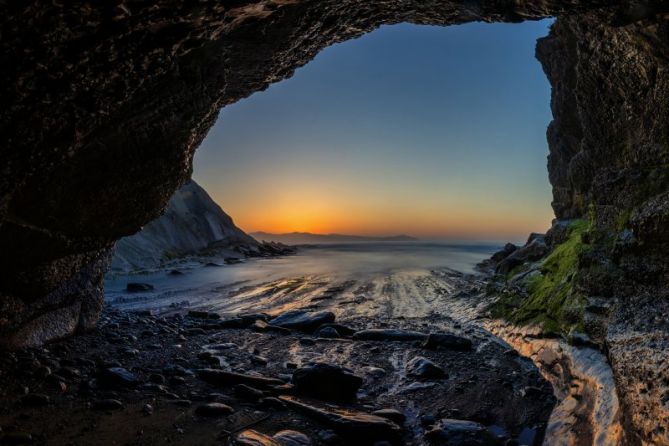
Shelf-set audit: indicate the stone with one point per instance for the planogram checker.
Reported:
(248, 393)
(447, 341)
(134, 287)
(250, 437)
(302, 320)
(421, 367)
(389, 334)
(450, 432)
(327, 382)
(203, 315)
(327, 332)
(115, 377)
(213, 410)
(292, 438)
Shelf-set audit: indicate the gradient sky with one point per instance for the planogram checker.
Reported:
(437, 132)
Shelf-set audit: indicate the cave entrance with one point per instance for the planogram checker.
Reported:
(427, 140)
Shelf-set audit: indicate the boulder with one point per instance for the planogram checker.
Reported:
(531, 252)
(421, 367)
(447, 341)
(327, 382)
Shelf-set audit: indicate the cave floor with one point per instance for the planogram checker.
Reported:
(57, 394)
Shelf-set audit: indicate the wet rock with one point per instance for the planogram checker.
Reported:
(389, 334)
(135, 287)
(303, 320)
(35, 400)
(447, 341)
(292, 438)
(343, 330)
(450, 432)
(421, 367)
(326, 381)
(115, 377)
(224, 378)
(107, 404)
(327, 332)
(147, 409)
(262, 326)
(391, 414)
(213, 410)
(374, 372)
(250, 437)
(360, 426)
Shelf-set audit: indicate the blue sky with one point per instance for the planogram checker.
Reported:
(438, 132)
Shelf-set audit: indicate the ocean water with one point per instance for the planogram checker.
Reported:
(278, 283)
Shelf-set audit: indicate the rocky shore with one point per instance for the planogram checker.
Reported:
(294, 378)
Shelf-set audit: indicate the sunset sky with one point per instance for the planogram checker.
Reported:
(435, 132)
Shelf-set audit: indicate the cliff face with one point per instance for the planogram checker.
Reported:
(192, 224)
(104, 106)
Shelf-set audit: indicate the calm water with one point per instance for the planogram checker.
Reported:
(323, 265)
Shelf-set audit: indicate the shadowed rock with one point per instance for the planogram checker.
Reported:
(303, 320)
(326, 381)
(379, 334)
(222, 378)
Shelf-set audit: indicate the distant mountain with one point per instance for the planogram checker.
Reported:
(303, 238)
(192, 224)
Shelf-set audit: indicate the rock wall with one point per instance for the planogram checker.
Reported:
(103, 107)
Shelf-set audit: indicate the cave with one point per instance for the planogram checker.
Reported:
(104, 107)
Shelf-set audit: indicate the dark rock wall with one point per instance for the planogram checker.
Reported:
(104, 105)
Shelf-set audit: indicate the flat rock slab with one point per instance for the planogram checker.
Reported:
(327, 382)
(303, 320)
(224, 378)
(358, 427)
(390, 334)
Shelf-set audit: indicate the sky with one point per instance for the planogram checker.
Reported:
(435, 132)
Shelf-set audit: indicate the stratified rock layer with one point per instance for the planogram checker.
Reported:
(103, 107)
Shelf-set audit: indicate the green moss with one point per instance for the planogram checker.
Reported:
(551, 300)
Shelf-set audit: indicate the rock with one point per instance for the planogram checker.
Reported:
(421, 367)
(180, 401)
(250, 437)
(374, 372)
(213, 410)
(107, 404)
(224, 378)
(393, 415)
(134, 287)
(175, 272)
(147, 409)
(262, 326)
(450, 432)
(381, 334)
(35, 399)
(448, 341)
(292, 438)
(360, 426)
(531, 252)
(505, 252)
(343, 330)
(327, 382)
(303, 320)
(115, 377)
(327, 332)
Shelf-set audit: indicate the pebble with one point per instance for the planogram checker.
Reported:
(214, 410)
